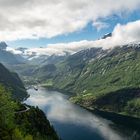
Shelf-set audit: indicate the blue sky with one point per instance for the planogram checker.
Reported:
(44, 22)
(87, 33)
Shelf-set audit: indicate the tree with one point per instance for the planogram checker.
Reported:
(7, 109)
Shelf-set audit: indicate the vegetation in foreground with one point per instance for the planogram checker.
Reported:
(29, 125)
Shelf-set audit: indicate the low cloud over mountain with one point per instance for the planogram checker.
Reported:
(122, 34)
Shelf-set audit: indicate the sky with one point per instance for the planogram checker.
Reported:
(62, 24)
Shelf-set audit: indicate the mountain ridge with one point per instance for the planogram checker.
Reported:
(13, 83)
(102, 74)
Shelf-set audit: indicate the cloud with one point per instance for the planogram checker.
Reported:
(60, 48)
(22, 19)
(59, 109)
(122, 34)
(100, 25)
(14, 51)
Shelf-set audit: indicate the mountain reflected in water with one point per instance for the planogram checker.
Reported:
(71, 121)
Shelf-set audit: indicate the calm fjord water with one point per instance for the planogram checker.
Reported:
(73, 122)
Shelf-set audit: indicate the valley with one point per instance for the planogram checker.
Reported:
(19, 121)
(69, 70)
(95, 79)
(73, 122)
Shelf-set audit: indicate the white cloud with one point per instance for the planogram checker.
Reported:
(59, 109)
(100, 25)
(122, 34)
(21, 19)
(12, 50)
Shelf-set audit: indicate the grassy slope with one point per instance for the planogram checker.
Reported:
(96, 79)
(30, 125)
(108, 79)
(13, 82)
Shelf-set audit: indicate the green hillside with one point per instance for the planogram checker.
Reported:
(13, 82)
(7, 57)
(102, 75)
(16, 125)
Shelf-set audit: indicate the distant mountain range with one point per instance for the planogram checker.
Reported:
(20, 55)
(7, 57)
(107, 35)
(10, 79)
(14, 115)
(106, 79)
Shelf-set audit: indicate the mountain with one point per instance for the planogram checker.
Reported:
(13, 83)
(19, 121)
(71, 65)
(46, 59)
(14, 62)
(9, 58)
(16, 121)
(53, 59)
(21, 49)
(95, 76)
(3, 46)
(107, 35)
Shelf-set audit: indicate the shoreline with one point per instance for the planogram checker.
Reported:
(120, 119)
(124, 120)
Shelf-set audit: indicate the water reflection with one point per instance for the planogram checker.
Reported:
(71, 121)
